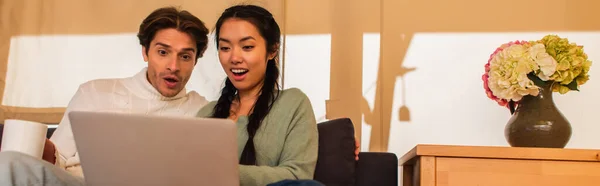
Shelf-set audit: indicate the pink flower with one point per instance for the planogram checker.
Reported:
(489, 93)
(485, 77)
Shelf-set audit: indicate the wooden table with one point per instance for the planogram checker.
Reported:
(446, 165)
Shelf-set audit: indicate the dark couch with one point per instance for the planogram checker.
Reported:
(336, 165)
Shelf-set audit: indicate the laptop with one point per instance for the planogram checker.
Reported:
(130, 149)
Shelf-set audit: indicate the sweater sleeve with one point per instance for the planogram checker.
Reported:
(299, 155)
(66, 152)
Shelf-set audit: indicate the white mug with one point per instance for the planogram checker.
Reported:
(27, 137)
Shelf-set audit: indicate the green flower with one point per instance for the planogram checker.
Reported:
(573, 64)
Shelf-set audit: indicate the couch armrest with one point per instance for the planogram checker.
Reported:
(336, 164)
(377, 168)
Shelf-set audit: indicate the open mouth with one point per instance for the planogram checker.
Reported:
(239, 71)
(171, 81)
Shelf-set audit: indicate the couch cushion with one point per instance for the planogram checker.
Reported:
(377, 168)
(336, 163)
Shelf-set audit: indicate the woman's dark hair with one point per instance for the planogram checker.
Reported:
(265, 23)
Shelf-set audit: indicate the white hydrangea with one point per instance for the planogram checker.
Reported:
(547, 64)
(508, 73)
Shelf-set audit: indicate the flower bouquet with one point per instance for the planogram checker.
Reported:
(527, 72)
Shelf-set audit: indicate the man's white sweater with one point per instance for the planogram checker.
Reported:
(125, 95)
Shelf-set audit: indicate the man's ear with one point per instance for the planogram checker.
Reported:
(203, 50)
(201, 53)
(145, 53)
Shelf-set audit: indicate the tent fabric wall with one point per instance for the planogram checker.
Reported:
(403, 19)
(41, 24)
(398, 22)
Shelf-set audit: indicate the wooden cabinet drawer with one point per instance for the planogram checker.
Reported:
(508, 172)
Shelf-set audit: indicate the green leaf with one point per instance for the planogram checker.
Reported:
(536, 80)
(573, 85)
(511, 107)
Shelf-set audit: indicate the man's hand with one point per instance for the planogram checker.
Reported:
(49, 151)
(357, 149)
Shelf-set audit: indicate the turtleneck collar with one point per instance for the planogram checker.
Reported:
(140, 86)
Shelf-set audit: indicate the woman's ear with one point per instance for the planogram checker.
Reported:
(273, 54)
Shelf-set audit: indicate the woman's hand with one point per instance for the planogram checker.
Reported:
(49, 152)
